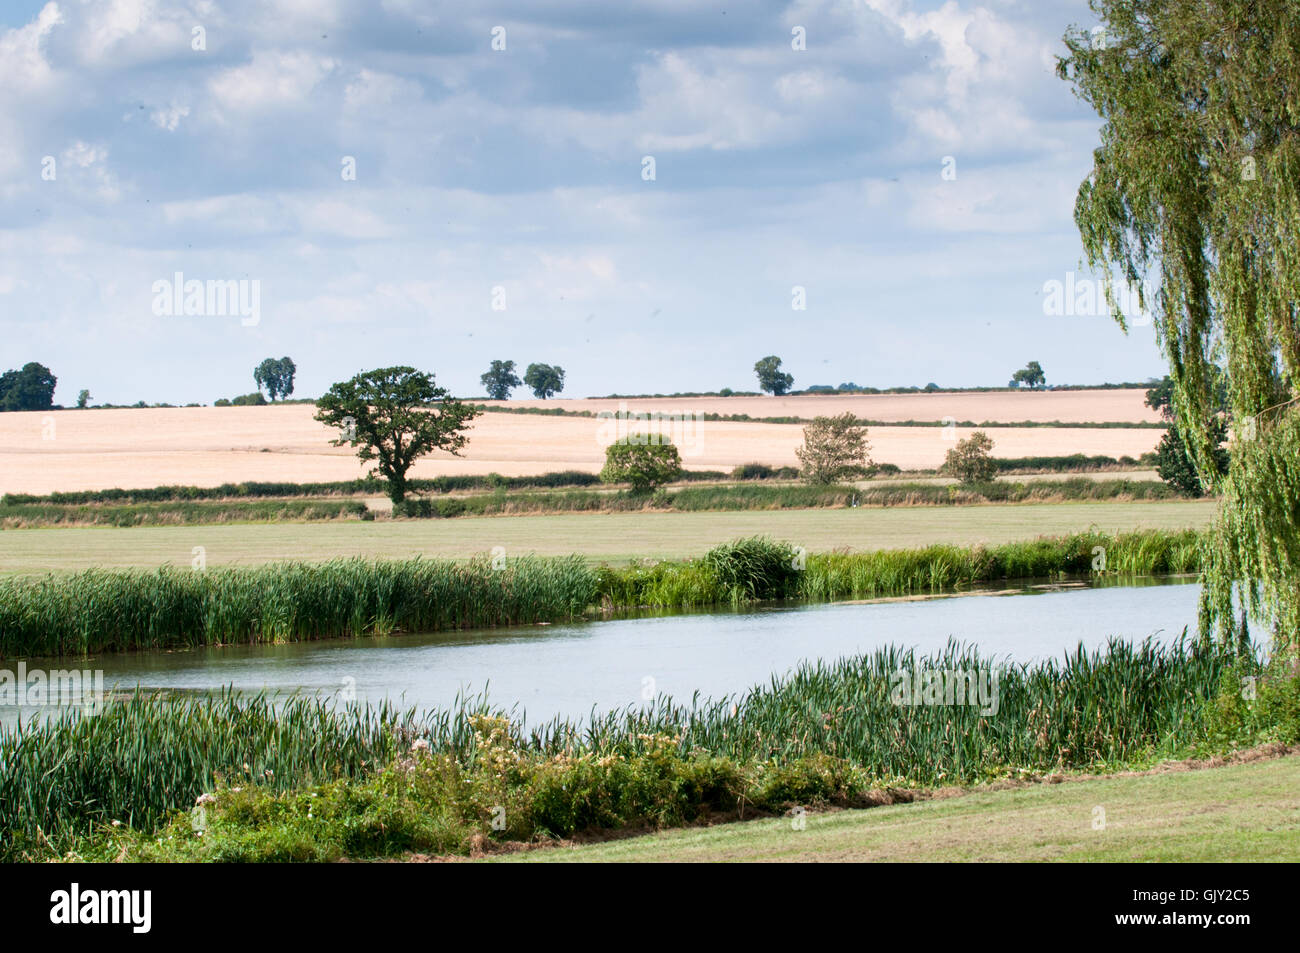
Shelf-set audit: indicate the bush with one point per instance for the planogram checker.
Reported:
(970, 461)
(834, 449)
(644, 465)
(754, 568)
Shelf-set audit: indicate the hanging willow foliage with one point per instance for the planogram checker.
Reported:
(1194, 199)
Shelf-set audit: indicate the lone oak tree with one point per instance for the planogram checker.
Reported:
(395, 415)
(1195, 189)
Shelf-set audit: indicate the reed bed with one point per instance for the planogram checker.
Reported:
(124, 610)
(112, 611)
(1092, 710)
(896, 572)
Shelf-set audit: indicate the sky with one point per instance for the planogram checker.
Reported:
(652, 195)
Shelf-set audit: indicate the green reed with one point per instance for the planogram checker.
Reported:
(145, 756)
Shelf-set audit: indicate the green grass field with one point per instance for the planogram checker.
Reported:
(1242, 812)
(612, 537)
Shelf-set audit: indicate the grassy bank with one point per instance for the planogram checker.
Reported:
(752, 496)
(311, 783)
(615, 538)
(789, 496)
(1235, 813)
(106, 611)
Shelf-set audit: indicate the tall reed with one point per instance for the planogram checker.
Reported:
(1089, 709)
(106, 611)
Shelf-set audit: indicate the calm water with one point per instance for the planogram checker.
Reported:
(569, 669)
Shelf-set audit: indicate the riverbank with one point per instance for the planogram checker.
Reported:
(1239, 809)
(112, 611)
(223, 780)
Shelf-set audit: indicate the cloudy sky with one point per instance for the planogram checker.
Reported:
(912, 169)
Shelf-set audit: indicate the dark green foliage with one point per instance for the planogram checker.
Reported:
(500, 379)
(544, 380)
(771, 379)
(1031, 375)
(275, 377)
(394, 416)
(31, 388)
(1175, 464)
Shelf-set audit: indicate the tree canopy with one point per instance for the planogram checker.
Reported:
(1031, 375)
(31, 388)
(394, 416)
(771, 378)
(275, 377)
(544, 380)
(500, 379)
(1194, 201)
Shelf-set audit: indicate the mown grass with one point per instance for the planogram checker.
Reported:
(1238, 813)
(22, 515)
(761, 496)
(307, 781)
(115, 610)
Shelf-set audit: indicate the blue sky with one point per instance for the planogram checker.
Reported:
(522, 170)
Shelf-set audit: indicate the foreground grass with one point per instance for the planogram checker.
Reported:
(233, 779)
(611, 537)
(304, 781)
(1239, 812)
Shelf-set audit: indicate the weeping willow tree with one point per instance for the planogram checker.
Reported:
(1194, 201)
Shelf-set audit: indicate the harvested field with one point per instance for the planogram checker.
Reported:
(1067, 406)
(207, 446)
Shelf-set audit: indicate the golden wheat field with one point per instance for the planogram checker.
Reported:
(1066, 406)
(43, 452)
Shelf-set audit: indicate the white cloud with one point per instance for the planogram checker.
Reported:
(271, 79)
(169, 117)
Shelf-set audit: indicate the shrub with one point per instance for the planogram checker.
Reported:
(754, 568)
(834, 449)
(970, 461)
(645, 465)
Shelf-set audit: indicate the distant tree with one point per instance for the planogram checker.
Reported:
(276, 377)
(970, 461)
(645, 465)
(255, 399)
(1161, 396)
(1176, 466)
(83, 398)
(834, 449)
(31, 388)
(500, 379)
(771, 379)
(931, 387)
(1031, 375)
(395, 415)
(544, 380)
